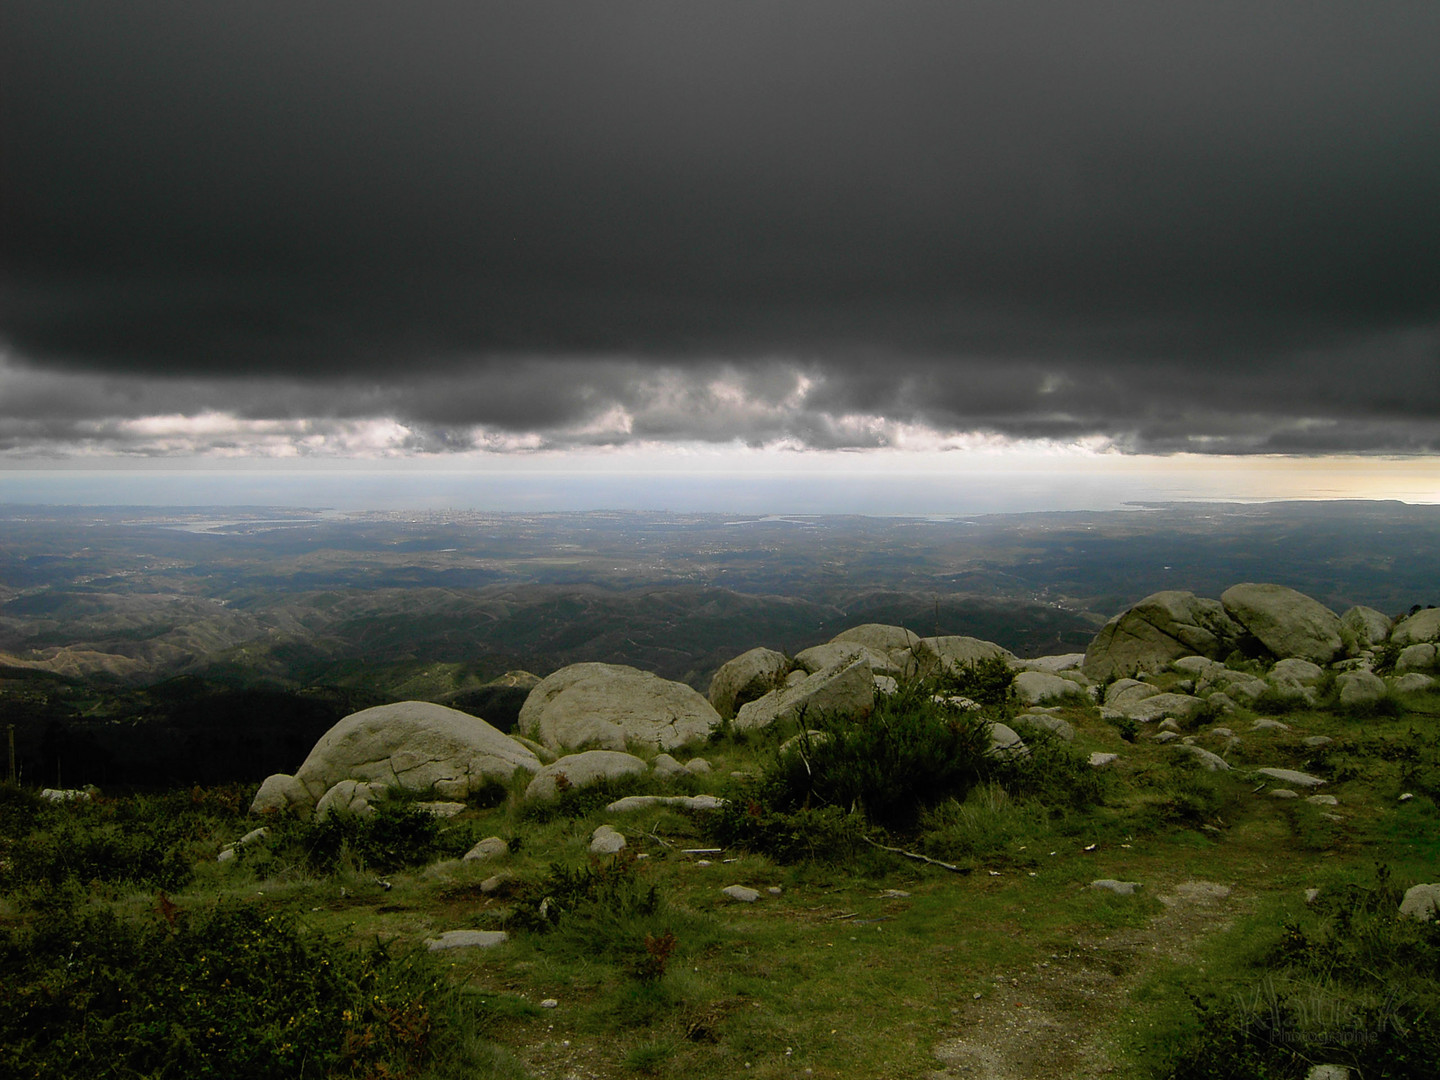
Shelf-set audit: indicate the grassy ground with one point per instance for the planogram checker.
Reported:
(859, 962)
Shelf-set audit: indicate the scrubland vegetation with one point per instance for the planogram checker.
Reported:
(128, 950)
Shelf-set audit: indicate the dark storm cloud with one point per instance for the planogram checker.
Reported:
(1186, 227)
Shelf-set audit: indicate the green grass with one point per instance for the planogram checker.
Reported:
(857, 965)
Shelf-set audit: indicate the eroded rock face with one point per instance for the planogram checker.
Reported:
(844, 691)
(749, 676)
(1286, 622)
(934, 655)
(416, 746)
(581, 770)
(607, 705)
(1163, 627)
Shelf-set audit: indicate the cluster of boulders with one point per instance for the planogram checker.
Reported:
(591, 721)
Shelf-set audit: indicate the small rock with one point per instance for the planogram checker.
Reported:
(665, 765)
(1224, 732)
(495, 883)
(775, 890)
(1328, 1072)
(488, 848)
(606, 841)
(1290, 776)
(1099, 760)
(1311, 895)
(1314, 741)
(441, 809)
(894, 894)
(1266, 723)
(1169, 724)
(741, 893)
(467, 939)
(1323, 800)
(549, 1003)
(1406, 797)
(1163, 737)
(697, 765)
(1120, 888)
(1208, 761)
(1284, 793)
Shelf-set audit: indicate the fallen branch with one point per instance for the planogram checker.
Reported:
(916, 856)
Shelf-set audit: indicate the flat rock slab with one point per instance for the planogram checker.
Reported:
(441, 809)
(1292, 777)
(467, 939)
(646, 802)
(1119, 888)
(1099, 759)
(741, 894)
(1208, 761)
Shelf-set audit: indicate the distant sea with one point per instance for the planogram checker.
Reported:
(877, 495)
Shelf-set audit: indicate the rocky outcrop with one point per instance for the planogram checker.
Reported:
(581, 770)
(1039, 687)
(410, 745)
(749, 676)
(1286, 622)
(1422, 626)
(1163, 627)
(936, 655)
(818, 657)
(1365, 626)
(610, 705)
(895, 642)
(844, 691)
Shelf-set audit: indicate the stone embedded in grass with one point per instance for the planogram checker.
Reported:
(1057, 726)
(1328, 1072)
(1421, 902)
(249, 838)
(1169, 724)
(606, 841)
(1291, 776)
(1005, 742)
(1163, 737)
(1119, 888)
(665, 765)
(467, 939)
(741, 894)
(496, 883)
(1411, 683)
(1283, 793)
(1036, 687)
(646, 802)
(1208, 761)
(697, 766)
(1322, 800)
(1098, 760)
(489, 848)
(1316, 741)
(1266, 723)
(1161, 706)
(441, 809)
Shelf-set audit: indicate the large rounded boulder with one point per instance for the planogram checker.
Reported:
(1424, 625)
(1286, 622)
(414, 746)
(607, 706)
(845, 691)
(950, 653)
(1163, 627)
(749, 676)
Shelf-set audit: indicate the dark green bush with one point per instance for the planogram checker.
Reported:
(824, 834)
(987, 682)
(231, 991)
(909, 754)
(397, 834)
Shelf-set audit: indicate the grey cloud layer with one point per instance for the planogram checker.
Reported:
(1182, 227)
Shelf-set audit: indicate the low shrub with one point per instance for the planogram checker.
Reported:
(1349, 982)
(987, 682)
(396, 835)
(230, 991)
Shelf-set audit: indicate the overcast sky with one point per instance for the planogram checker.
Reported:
(461, 231)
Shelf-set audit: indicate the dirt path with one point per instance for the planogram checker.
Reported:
(1049, 1021)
